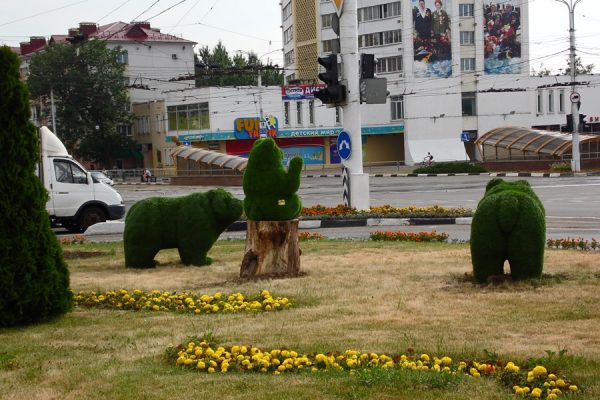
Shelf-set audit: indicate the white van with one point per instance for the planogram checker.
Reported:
(75, 199)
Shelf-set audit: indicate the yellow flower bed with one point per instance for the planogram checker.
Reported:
(200, 355)
(156, 300)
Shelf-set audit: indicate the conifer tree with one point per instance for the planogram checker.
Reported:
(34, 279)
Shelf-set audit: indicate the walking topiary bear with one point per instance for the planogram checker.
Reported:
(190, 223)
(270, 190)
(508, 224)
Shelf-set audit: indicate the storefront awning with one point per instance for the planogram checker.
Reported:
(211, 157)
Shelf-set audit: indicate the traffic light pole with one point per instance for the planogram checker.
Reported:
(576, 161)
(351, 121)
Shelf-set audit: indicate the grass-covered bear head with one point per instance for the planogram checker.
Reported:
(271, 190)
(508, 224)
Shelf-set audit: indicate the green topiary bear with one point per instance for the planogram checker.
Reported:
(508, 224)
(190, 223)
(270, 190)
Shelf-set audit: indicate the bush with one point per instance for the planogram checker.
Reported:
(508, 224)
(457, 167)
(271, 190)
(34, 279)
(560, 167)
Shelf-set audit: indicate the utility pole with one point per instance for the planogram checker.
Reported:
(359, 188)
(260, 107)
(53, 111)
(575, 99)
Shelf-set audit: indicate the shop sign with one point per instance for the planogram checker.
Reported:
(254, 128)
(300, 92)
(593, 119)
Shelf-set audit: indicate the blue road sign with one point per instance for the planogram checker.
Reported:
(465, 137)
(344, 145)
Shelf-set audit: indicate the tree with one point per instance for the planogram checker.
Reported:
(216, 68)
(580, 69)
(34, 279)
(87, 82)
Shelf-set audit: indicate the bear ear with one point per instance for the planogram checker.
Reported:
(493, 183)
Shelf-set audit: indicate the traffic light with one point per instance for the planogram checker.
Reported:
(582, 124)
(367, 66)
(334, 92)
(569, 123)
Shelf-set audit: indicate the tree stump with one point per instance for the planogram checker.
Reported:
(271, 249)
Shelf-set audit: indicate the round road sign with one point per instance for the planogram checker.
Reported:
(574, 97)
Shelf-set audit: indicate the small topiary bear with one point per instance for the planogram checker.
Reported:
(508, 224)
(270, 190)
(190, 223)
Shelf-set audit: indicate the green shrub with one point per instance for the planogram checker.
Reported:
(508, 224)
(270, 190)
(190, 223)
(457, 167)
(560, 167)
(34, 279)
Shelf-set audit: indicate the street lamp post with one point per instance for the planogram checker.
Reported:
(576, 161)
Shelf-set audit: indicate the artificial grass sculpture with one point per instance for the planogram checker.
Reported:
(270, 190)
(508, 224)
(190, 223)
(34, 279)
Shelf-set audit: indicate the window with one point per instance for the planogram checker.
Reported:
(380, 11)
(551, 101)
(466, 10)
(469, 104)
(123, 57)
(288, 58)
(290, 77)
(125, 130)
(326, 20)
(380, 38)
(389, 64)
(287, 11)
(397, 103)
(467, 64)
(188, 117)
(159, 156)
(328, 45)
(286, 113)
(288, 34)
(467, 37)
(311, 112)
(561, 101)
(298, 113)
(67, 172)
(540, 102)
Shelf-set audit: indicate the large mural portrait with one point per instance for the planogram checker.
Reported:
(502, 37)
(432, 38)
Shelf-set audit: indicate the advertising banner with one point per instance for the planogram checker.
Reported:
(502, 37)
(432, 38)
(254, 128)
(300, 92)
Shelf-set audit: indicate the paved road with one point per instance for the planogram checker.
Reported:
(572, 203)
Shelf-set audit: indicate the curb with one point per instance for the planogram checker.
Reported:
(118, 227)
(357, 222)
(412, 175)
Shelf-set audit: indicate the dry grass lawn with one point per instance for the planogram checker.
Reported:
(368, 296)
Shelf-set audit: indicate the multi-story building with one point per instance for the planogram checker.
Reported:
(455, 69)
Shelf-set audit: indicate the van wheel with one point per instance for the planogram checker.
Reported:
(91, 216)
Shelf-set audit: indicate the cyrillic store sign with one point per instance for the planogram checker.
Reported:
(300, 92)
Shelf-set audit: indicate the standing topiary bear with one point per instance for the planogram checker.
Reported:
(190, 223)
(508, 224)
(270, 190)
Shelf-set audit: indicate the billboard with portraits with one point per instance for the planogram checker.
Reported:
(502, 37)
(432, 38)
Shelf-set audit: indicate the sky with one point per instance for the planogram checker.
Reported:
(254, 25)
